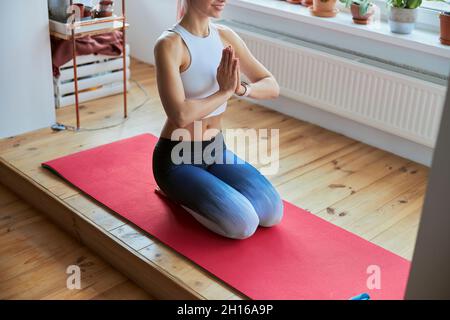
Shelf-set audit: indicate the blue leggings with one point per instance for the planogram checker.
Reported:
(220, 190)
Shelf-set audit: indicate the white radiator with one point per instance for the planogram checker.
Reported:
(349, 85)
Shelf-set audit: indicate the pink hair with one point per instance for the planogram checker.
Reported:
(181, 9)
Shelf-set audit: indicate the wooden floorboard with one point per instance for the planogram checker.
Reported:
(370, 192)
(35, 254)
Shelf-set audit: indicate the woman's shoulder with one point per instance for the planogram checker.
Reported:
(168, 40)
(222, 28)
(168, 35)
(227, 34)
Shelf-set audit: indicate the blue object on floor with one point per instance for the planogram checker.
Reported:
(362, 296)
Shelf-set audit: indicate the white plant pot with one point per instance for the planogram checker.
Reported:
(402, 20)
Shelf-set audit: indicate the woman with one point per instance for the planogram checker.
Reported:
(198, 66)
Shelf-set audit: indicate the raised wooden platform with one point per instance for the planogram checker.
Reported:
(35, 254)
(367, 191)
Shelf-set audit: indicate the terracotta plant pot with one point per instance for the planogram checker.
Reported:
(402, 20)
(324, 8)
(307, 3)
(105, 9)
(294, 1)
(359, 19)
(444, 18)
(88, 12)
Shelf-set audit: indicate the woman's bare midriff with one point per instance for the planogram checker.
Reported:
(209, 128)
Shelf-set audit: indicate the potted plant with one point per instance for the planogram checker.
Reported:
(444, 17)
(403, 15)
(324, 8)
(361, 10)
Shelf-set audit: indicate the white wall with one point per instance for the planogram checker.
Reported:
(148, 19)
(26, 85)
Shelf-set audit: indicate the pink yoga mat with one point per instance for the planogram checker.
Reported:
(303, 257)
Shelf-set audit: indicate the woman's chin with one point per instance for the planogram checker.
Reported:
(216, 13)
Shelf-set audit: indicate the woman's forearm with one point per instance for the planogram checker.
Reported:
(196, 109)
(266, 88)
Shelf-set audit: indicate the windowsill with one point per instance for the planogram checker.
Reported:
(420, 40)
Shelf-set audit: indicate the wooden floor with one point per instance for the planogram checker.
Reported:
(369, 192)
(35, 254)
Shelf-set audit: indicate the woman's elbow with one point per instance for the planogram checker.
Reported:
(273, 88)
(180, 120)
(276, 89)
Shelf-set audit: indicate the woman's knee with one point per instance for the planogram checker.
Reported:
(241, 222)
(274, 213)
(242, 231)
(264, 197)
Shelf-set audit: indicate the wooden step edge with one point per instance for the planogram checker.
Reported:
(147, 275)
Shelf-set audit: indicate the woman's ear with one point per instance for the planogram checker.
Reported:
(181, 9)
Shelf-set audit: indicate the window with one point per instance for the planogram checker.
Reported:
(434, 5)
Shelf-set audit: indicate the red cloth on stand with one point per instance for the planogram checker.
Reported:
(109, 44)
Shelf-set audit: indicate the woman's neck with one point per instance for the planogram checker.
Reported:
(196, 25)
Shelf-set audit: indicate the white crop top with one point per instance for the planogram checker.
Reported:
(199, 80)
